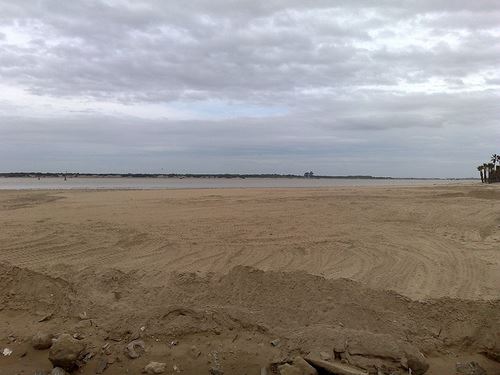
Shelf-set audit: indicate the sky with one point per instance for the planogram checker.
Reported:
(386, 88)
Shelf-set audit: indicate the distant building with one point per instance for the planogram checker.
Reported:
(309, 174)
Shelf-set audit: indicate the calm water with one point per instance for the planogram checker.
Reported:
(199, 183)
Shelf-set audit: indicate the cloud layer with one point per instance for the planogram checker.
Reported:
(408, 88)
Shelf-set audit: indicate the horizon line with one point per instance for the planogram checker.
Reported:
(215, 175)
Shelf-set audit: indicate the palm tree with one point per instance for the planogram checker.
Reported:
(480, 169)
(485, 171)
(495, 169)
(491, 172)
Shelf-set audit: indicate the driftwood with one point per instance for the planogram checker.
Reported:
(334, 368)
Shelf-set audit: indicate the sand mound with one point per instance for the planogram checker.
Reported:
(228, 321)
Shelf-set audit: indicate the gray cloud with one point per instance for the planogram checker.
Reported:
(271, 84)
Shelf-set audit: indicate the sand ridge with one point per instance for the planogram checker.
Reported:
(237, 316)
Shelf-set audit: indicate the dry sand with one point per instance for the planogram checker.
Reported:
(167, 260)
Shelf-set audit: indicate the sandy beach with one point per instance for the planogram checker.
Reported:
(421, 264)
(421, 242)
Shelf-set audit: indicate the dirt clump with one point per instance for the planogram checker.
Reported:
(227, 324)
(42, 340)
(67, 352)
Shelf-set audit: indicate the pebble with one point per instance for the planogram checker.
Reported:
(82, 324)
(83, 316)
(275, 342)
(304, 366)
(131, 348)
(87, 357)
(155, 368)
(78, 336)
(45, 317)
(102, 365)
(288, 369)
(470, 368)
(58, 371)
(215, 371)
(325, 356)
(42, 340)
(194, 351)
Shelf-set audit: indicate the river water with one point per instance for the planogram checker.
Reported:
(24, 183)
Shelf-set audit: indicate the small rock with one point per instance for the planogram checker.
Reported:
(155, 368)
(417, 363)
(83, 316)
(176, 368)
(102, 365)
(288, 369)
(66, 352)
(58, 371)
(135, 335)
(42, 340)
(134, 349)
(87, 357)
(325, 356)
(275, 342)
(45, 317)
(215, 371)
(470, 368)
(6, 352)
(78, 336)
(305, 367)
(106, 349)
(82, 324)
(194, 351)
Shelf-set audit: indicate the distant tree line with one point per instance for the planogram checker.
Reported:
(181, 175)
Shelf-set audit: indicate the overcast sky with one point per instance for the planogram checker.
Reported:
(393, 88)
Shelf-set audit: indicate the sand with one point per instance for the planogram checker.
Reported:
(421, 264)
(421, 242)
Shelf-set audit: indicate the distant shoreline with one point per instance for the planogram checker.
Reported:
(208, 175)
